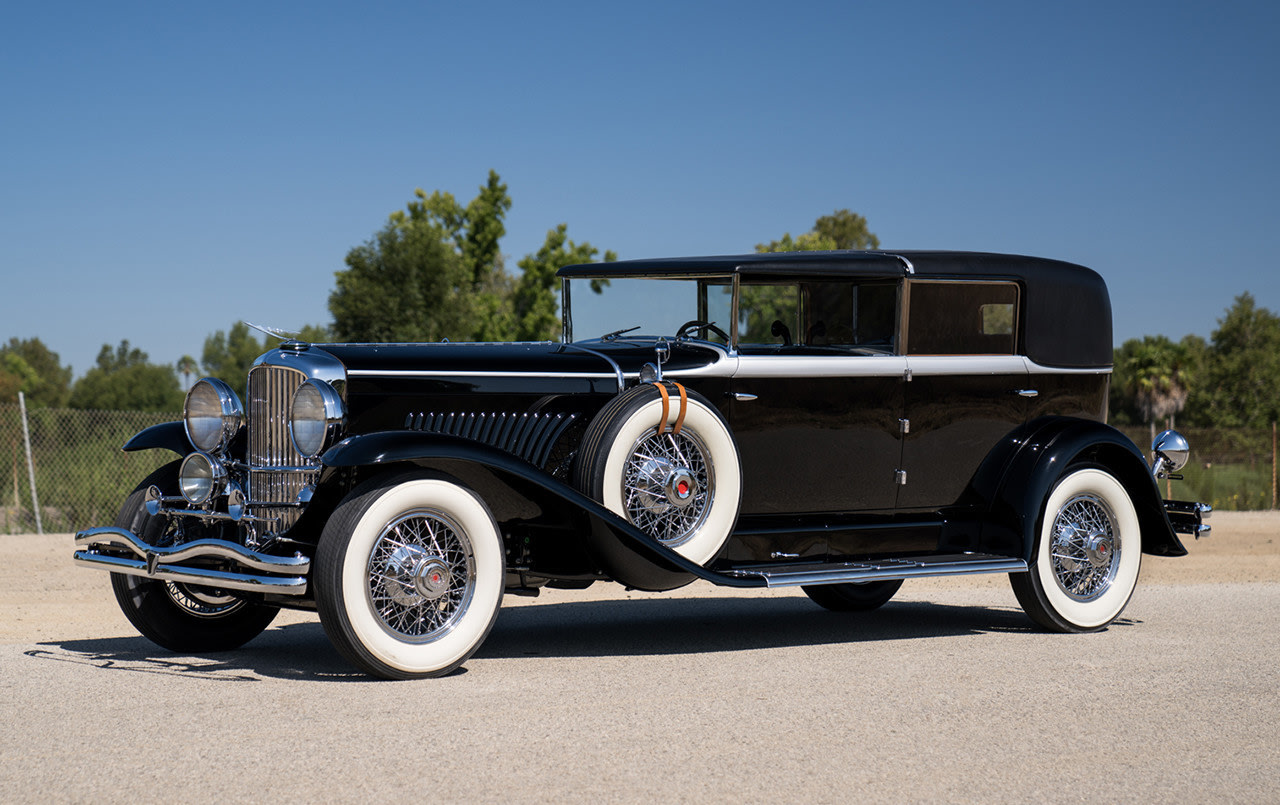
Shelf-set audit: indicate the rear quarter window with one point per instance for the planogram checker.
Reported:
(962, 318)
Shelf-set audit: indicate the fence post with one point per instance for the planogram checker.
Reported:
(31, 467)
(1273, 465)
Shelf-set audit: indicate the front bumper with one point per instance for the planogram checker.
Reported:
(205, 562)
(1189, 518)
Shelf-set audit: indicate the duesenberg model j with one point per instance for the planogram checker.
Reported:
(838, 421)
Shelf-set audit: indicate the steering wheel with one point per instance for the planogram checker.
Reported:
(698, 324)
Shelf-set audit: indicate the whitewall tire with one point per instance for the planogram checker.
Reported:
(409, 576)
(1087, 556)
(683, 489)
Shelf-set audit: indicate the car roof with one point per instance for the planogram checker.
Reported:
(854, 264)
(1066, 307)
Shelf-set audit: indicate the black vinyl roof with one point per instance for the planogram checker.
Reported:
(1066, 307)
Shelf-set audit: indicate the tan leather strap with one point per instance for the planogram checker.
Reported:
(666, 403)
(684, 406)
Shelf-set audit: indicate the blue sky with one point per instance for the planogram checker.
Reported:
(168, 169)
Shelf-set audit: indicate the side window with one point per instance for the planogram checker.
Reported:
(818, 317)
(962, 318)
(764, 308)
(859, 315)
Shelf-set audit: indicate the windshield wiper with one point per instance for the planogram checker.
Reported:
(613, 336)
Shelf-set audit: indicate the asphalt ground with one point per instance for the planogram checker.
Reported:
(946, 694)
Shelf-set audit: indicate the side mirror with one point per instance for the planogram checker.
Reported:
(1169, 453)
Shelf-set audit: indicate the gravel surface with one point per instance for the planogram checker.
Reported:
(946, 694)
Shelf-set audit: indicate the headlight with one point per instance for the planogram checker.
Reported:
(201, 478)
(212, 414)
(315, 418)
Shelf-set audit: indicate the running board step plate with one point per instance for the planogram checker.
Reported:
(879, 569)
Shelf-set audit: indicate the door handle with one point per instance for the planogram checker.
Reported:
(742, 396)
(1027, 393)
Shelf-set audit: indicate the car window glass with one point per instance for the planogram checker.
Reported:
(962, 318)
(768, 313)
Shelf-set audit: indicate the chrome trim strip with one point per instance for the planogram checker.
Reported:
(617, 370)
(781, 577)
(197, 549)
(942, 365)
(782, 366)
(1036, 369)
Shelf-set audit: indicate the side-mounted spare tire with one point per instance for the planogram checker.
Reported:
(681, 483)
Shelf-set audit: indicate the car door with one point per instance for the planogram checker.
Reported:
(967, 387)
(817, 407)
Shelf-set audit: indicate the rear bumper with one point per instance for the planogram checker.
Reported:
(1188, 518)
(206, 562)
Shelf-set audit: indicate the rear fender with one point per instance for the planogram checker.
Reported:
(516, 489)
(1037, 456)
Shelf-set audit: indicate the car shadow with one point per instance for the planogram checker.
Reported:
(710, 625)
(644, 627)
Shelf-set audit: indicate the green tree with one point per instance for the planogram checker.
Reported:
(124, 379)
(229, 355)
(841, 229)
(1243, 385)
(534, 306)
(16, 375)
(52, 384)
(436, 271)
(1152, 378)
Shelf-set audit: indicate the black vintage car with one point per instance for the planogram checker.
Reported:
(840, 421)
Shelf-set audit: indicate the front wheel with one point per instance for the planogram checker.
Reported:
(409, 576)
(1087, 555)
(186, 618)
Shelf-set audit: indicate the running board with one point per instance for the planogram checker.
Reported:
(879, 570)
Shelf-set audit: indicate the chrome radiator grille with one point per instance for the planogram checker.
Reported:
(277, 472)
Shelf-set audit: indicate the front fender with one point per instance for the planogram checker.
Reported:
(625, 553)
(166, 435)
(1041, 454)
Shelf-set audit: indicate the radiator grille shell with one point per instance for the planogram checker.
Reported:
(277, 471)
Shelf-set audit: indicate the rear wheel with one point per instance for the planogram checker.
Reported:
(181, 617)
(853, 596)
(1087, 556)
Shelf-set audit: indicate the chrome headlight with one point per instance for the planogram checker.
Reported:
(212, 414)
(316, 417)
(201, 478)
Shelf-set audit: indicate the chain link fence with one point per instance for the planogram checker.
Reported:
(82, 476)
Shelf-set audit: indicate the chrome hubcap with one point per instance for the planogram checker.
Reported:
(1085, 552)
(668, 485)
(421, 575)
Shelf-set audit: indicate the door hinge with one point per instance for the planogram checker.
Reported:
(906, 375)
(901, 477)
(904, 426)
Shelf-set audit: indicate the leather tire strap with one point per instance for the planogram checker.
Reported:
(684, 406)
(666, 407)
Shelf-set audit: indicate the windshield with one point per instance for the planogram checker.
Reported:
(648, 307)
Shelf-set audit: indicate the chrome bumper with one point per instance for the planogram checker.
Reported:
(1189, 518)
(102, 548)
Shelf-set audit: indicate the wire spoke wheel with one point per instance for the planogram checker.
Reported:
(1084, 553)
(668, 485)
(1087, 556)
(420, 575)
